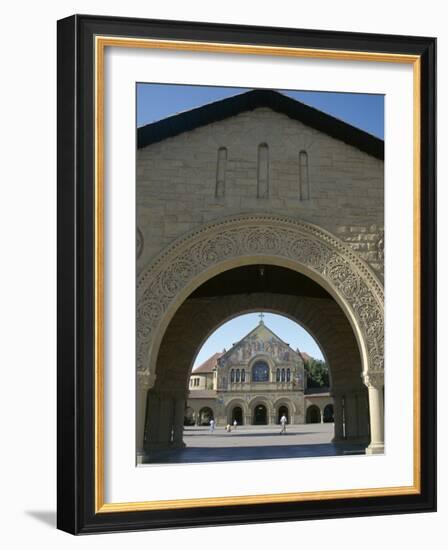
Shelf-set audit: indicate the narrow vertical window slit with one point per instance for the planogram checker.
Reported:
(304, 181)
(220, 189)
(263, 171)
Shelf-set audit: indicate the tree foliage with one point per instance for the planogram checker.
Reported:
(317, 373)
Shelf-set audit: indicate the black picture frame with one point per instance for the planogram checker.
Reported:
(76, 474)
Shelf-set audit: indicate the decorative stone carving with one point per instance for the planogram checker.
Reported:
(237, 238)
(380, 247)
(374, 379)
(144, 382)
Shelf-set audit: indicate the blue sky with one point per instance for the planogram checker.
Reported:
(157, 101)
(231, 332)
(366, 111)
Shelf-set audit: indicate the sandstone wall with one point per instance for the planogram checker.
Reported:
(180, 186)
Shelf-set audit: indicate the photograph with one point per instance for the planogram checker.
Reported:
(260, 274)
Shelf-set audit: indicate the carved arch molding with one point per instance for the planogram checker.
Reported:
(309, 248)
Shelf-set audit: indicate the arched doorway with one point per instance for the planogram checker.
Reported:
(205, 415)
(306, 273)
(237, 414)
(283, 410)
(260, 415)
(313, 414)
(189, 417)
(210, 310)
(329, 413)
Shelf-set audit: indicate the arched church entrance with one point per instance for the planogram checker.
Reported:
(260, 415)
(189, 417)
(283, 411)
(329, 413)
(313, 415)
(205, 415)
(237, 414)
(258, 263)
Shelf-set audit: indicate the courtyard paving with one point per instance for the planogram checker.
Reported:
(254, 443)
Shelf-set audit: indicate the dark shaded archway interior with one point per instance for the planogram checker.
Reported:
(237, 415)
(329, 413)
(254, 279)
(313, 415)
(205, 415)
(282, 411)
(260, 415)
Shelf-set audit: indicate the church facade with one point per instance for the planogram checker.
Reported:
(256, 382)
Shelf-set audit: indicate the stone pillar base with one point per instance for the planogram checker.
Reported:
(375, 449)
(358, 439)
(347, 441)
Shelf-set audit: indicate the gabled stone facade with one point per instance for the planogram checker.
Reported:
(255, 382)
(260, 159)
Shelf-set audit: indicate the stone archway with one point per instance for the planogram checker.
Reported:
(237, 415)
(259, 414)
(313, 415)
(237, 409)
(284, 406)
(189, 417)
(328, 413)
(205, 415)
(271, 240)
(283, 410)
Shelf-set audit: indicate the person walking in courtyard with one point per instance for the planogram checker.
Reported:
(283, 421)
(235, 423)
(212, 425)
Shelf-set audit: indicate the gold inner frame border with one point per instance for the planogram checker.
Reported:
(100, 44)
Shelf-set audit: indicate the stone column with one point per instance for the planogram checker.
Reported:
(166, 421)
(321, 416)
(351, 416)
(375, 384)
(159, 420)
(141, 404)
(152, 415)
(178, 421)
(338, 419)
(363, 415)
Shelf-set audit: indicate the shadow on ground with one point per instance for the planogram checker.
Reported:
(224, 454)
(44, 516)
(245, 434)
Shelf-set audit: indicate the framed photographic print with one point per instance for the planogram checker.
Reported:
(246, 274)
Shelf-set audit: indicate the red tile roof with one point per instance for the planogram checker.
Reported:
(208, 365)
